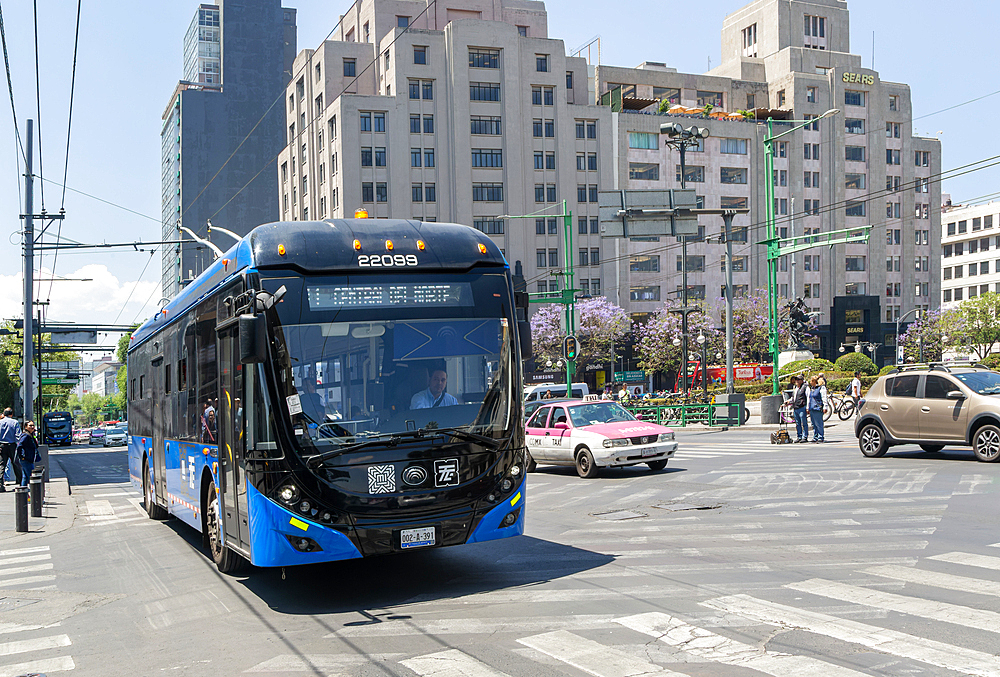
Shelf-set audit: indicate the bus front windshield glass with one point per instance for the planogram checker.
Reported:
(369, 358)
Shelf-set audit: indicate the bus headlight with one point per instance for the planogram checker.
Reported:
(506, 485)
(288, 494)
(616, 443)
(667, 437)
(515, 471)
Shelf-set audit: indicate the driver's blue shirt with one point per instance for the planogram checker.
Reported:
(425, 399)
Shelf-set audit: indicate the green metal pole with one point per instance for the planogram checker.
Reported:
(772, 252)
(569, 293)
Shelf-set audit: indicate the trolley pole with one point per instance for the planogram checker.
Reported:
(29, 282)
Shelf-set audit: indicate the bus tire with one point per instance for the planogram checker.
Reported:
(154, 511)
(529, 463)
(225, 559)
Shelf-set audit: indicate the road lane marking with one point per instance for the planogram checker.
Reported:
(26, 558)
(476, 626)
(314, 663)
(115, 493)
(969, 559)
(709, 646)
(534, 595)
(4, 573)
(959, 659)
(26, 580)
(451, 663)
(936, 579)
(37, 644)
(914, 606)
(592, 657)
(38, 667)
(24, 551)
(6, 628)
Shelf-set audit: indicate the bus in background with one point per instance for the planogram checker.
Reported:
(57, 428)
(336, 389)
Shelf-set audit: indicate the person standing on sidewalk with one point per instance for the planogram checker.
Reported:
(817, 403)
(10, 432)
(799, 410)
(27, 452)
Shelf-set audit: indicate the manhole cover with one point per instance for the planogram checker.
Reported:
(9, 603)
(677, 507)
(618, 515)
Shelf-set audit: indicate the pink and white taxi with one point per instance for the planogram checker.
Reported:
(592, 434)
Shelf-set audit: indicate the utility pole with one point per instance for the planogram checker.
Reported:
(29, 282)
(727, 221)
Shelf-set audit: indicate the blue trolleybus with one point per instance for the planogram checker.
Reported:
(335, 389)
(58, 427)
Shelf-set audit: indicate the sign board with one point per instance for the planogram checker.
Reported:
(60, 366)
(576, 320)
(647, 213)
(73, 337)
(625, 376)
(34, 379)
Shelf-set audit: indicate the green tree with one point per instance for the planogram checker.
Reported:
(91, 403)
(53, 396)
(978, 327)
(852, 362)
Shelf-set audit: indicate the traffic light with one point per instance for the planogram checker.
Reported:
(569, 347)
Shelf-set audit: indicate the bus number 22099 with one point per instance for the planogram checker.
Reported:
(387, 260)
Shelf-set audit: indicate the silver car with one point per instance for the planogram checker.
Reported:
(114, 437)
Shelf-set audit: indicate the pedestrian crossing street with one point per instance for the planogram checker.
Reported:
(890, 619)
(28, 648)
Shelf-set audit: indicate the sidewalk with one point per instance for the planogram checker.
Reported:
(58, 510)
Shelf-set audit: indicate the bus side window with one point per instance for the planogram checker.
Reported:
(182, 374)
(166, 378)
(142, 384)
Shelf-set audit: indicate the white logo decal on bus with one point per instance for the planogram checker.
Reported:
(446, 472)
(381, 479)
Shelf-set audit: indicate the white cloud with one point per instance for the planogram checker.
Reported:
(98, 301)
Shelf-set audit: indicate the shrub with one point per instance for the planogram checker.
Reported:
(886, 369)
(852, 362)
(992, 361)
(814, 365)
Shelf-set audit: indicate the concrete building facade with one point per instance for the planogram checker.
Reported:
(970, 252)
(215, 162)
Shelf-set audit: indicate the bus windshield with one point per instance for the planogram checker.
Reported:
(57, 422)
(365, 358)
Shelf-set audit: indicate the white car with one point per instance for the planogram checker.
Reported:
(114, 437)
(592, 434)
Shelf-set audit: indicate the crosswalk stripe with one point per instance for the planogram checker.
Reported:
(4, 573)
(533, 595)
(969, 559)
(24, 551)
(961, 660)
(115, 493)
(451, 663)
(592, 657)
(26, 580)
(99, 508)
(476, 626)
(25, 558)
(914, 606)
(37, 644)
(42, 667)
(936, 579)
(7, 628)
(712, 647)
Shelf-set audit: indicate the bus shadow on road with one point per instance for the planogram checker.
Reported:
(629, 472)
(374, 587)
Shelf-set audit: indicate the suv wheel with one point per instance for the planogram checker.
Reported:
(986, 443)
(872, 441)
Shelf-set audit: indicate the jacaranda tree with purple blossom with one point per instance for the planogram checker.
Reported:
(930, 328)
(601, 323)
(750, 327)
(654, 338)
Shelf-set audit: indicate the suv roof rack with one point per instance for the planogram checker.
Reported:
(937, 366)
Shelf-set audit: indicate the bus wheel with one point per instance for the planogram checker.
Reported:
(225, 559)
(529, 464)
(154, 511)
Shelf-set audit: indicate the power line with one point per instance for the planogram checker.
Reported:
(10, 85)
(136, 286)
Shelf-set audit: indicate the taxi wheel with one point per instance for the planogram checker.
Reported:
(657, 465)
(529, 463)
(585, 465)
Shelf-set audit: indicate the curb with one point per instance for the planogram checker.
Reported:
(58, 513)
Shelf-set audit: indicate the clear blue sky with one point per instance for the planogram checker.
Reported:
(130, 60)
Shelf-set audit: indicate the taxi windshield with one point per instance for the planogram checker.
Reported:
(598, 412)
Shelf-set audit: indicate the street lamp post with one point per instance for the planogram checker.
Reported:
(703, 342)
(899, 346)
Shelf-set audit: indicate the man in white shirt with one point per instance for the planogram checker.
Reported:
(436, 394)
(855, 389)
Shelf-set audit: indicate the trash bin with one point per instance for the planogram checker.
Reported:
(732, 414)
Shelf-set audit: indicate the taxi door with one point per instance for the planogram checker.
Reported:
(558, 436)
(535, 431)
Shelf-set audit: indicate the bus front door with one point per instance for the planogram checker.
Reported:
(232, 465)
(157, 448)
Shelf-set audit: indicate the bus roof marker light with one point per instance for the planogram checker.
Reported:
(482, 249)
(388, 245)
(281, 250)
(357, 245)
(361, 213)
(421, 246)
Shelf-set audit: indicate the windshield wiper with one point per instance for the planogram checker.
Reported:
(393, 439)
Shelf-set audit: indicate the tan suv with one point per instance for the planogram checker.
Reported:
(934, 405)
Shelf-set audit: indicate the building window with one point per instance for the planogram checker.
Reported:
(553, 258)
(536, 96)
(378, 122)
(414, 89)
(366, 122)
(550, 192)
(489, 226)
(581, 193)
(733, 146)
(522, 31)
(428, 157)
(484, 58)
(487, 125)
(592, 190)
(643, 140)
(484, 91)
(854, 208)
(922, 158)
(855, 289)
(402, 21)
(710, 98)
(539, 160)
(692, 174)
(591, 129)
(350, 68)
(644, 263)
(380, 157)
(854, 264)
(381, 192)
(592, 162)
(584, 257)
(893, 102)
(854, 181)
(550, 129)
(414, 124)
(695, 264)
(644, 171)
(854, 125)
(430, 192)
(854, 153)
(644, 293)
(750, 41)
(487, 192)
(366, 157)
(487, 157)
(542, 63)
(367, 192)
(415, 157)
(891, 157)
(417, 192)
(733, 175)
(781, 98)
(427, 88)
(811, 94)
(569, 80)
(595, 228)
(550, 160)
(419, 54)
(853, 97)
(733, 202)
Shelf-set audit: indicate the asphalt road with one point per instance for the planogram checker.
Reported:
(741, 558)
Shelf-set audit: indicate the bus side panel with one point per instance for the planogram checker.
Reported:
(271, 525)
(135, 449)
(184, 463)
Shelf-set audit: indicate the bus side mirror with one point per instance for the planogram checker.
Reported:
(524, 338)
(253, 339)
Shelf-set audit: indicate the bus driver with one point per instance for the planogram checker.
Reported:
(436, 394)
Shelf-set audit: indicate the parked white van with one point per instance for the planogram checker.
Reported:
(535, 392)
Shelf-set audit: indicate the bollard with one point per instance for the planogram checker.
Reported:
(21, 508)
(40, 472)
(36, 495)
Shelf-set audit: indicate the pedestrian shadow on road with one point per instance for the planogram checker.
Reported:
(378, 587)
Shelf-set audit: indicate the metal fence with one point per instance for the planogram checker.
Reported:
(714, 414)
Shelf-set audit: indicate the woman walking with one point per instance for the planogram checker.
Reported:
(27, 452)
(817, 403)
